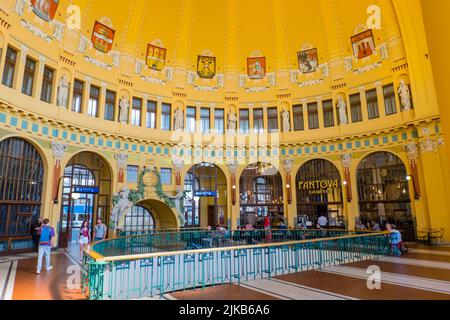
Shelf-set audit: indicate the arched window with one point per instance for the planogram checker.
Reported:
(21, 177)
(384, 193)
(139, 219)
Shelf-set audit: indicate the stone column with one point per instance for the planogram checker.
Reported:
(413, 154)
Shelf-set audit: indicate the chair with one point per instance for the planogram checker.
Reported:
(422, 236)
(437, 237)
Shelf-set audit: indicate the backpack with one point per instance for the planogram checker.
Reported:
(46, 235)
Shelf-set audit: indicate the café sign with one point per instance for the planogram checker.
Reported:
(319, 186)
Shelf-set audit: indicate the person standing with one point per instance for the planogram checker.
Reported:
(45, 245)
(322, 221)
(84, 238)
(35, 232)
(99, 230)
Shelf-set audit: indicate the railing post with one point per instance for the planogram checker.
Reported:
(96, 278)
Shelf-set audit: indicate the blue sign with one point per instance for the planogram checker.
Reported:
(86, 190)
(205, 193)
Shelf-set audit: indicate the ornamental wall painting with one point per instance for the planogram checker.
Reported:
(256, 67)
(102, 37)
(308, 60)
(45, 9)
(156, 57)
(363, 44)
(206, 67)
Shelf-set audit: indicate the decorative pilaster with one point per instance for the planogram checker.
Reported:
(413, 154)
(232, 166)
(287, 165)
(346, 159)
(178, 165)
(58, 149)
(122, 159)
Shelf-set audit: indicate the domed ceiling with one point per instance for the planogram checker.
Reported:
(233, 30)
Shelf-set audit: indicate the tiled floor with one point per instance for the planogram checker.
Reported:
(423, 273)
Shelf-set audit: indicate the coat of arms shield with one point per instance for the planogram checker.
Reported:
(45, 9)
(206, 67)
(156, 57)
(102, 37)
(256, 67)
(307, 60)
(363, 44)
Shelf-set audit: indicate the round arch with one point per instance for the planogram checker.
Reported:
(86, 193)
(164, 217)
(205, 185)
(318, 185)
(22, 184)
(383, 191)
(261, 195)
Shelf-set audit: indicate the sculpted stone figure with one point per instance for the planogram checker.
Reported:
(342, 108)
(178, 120)
(123, 105)
(286, 122)
(177, 199)
(122, 207)
(58, 149)
(405, 95)
(232, 121)
(63, 92)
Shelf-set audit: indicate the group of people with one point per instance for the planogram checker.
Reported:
(374, 226)
(42, 234)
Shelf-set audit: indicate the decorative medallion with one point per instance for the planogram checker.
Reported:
(308, 60)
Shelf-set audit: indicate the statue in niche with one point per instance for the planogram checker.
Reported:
(232, 122)
(63, 92)
(122, 207)
(342, 108)
(405, 95)
(178, 120)
(286, 121)
(177, 199)
(123, 105)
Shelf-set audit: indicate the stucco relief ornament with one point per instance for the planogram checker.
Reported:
(412, 151)
(122, 207)
(122, 159)
(178, 120)
(405, 96)
(286, 121)
(178, 198)
(123, 105)
(83, 44)
(287, 165)
(342, 108)
(63, 92)
(59, 28)
(20, 5)
(178, 163)
(346, 159)
(232, 166)
(58, 149)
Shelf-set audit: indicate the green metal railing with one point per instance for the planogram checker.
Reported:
(149, 267)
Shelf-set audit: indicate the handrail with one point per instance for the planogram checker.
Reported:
(100, 258)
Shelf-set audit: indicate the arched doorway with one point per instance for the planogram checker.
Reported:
(139, 219)
(86, 195)
(319, 192)
(384, 192)
(261, 194)
(206, 196)
(21, 180)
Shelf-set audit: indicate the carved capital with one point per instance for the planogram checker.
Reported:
(122, 159)
(346, 159)
(58, 149)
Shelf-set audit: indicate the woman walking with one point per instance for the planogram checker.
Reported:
(84, 238)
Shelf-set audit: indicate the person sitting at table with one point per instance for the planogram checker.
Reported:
(376, 226)
(360, 226)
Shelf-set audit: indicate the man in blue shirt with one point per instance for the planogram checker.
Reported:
(45, 245)
(99, 230)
